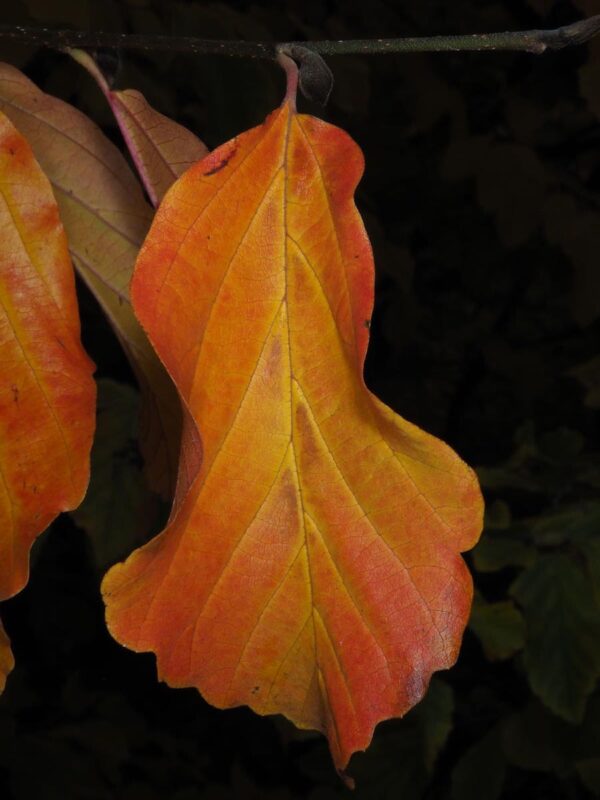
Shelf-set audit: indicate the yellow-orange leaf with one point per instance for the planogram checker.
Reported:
(313, 567)
(7, 661)
(47, 393)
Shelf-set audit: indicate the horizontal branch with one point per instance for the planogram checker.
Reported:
(534, 41)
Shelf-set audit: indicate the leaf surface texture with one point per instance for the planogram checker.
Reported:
(312, 568)
(47, 393)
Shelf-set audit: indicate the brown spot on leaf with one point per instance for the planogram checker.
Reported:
(223, 163)
(288, 493)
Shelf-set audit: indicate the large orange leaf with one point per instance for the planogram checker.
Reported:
(313, 567)
(47, 393)
(161, 148)
(106, 218)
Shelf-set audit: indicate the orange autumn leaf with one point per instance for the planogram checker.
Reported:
(313, 568)
(7, 661)
(47, 393)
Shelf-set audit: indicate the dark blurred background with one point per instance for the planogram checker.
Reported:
(482, 199)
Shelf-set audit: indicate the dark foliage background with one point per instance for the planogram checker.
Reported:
(482, 198)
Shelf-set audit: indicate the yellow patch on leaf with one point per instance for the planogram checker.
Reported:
(47, 393)
(312, 568)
